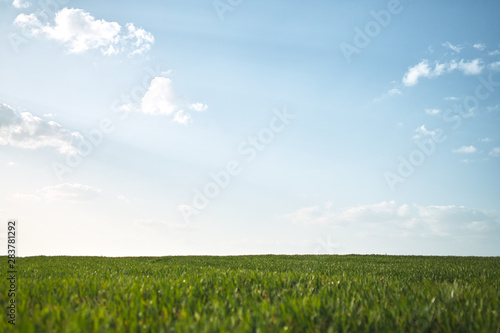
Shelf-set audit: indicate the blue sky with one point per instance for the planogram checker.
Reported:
(249, 127)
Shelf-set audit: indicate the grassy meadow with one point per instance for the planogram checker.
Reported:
(256, 294)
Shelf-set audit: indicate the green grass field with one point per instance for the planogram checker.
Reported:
(256, 294)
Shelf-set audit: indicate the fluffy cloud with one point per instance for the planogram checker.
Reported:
(422, 131)
(423, 69)
(479, 46)
(465, 150)
(21, 4)
(161, 99)
(182, 118)
(79, 32)
(200, 107)
(473, 67)
(454, 48)
(70, 192)
(432, 111)
(448, 220)
(495, 66)
(415, 220)
(24, 130)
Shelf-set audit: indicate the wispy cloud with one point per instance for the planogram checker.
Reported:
(479, 46)
(24, 130)
(123, 198)
(495, 66)
(422, 131)
(79, 32)
(389, 93)
(70, 192)
(465, 150)
(495, 152)
(433, 111)
(454, 48)
(424, 69)
(415, 220)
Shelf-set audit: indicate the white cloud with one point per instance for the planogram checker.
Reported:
(432, 111)
(200, 107)
(473, 67)
(123, 198)
(70, 192)
(182, 118)
(465, 150)
(21, 4)
(479, 46)
(381, 212)
(447, 220)
(161, 99)
(450, 98)
(495, 66)
(391, 92)
(494, 53)
(495, 152)
(24, 130)
(422, 131)
(423, 69)
(485, 140)
(140, 38)
(454, 48)
(414, 220)
(49, 115)
(79, 32)
(310, 215)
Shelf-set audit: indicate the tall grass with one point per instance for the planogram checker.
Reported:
(257, 294)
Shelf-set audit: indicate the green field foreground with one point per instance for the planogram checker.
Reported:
(256, 294)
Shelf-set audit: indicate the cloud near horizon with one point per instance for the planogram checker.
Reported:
(419, 221)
